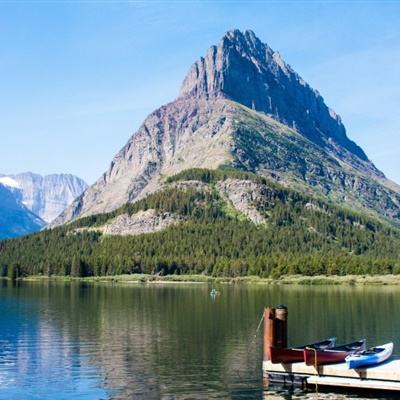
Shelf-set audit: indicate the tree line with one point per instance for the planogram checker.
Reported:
(296, 239)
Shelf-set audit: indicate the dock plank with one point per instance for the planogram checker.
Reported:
(353, 383)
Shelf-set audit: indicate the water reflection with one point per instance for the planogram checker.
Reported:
(168, 341)
(37, 360)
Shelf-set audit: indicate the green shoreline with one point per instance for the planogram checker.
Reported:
(284, 280)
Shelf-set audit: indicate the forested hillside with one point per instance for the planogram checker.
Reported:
(297, 235)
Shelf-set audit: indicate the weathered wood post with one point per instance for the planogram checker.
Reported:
(275, 329)
(281, 313)
(269, 315)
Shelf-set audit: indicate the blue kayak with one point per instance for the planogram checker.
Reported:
(372, 356)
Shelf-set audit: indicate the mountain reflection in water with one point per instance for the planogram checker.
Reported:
(100, 341)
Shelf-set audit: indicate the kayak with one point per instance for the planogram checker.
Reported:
(333, 355)
(295, 354)
(372, 356)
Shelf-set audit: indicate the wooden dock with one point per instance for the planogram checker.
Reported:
(385, 376)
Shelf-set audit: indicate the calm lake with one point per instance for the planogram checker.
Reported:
(123, 341)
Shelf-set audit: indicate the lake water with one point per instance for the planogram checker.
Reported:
(170, 341)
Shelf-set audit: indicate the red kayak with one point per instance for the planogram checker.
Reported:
(333, 355)
(295, 354)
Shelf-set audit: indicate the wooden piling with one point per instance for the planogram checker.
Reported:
(269, 314)
(275, 329)
(281, 314)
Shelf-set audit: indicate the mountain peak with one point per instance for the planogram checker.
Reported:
(244, 69)
(234, 49)
(247, 38)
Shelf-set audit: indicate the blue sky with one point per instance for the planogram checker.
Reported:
(78, 78)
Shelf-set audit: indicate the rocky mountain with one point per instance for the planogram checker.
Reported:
(15, 218)
(242, 106)
(48, 196)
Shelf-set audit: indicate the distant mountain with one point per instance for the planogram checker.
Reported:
(15, 218)
(242, 106)
(48, 196)
(29, 201)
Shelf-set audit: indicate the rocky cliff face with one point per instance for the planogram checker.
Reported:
(242, 105)
(48, 196)
(247, 71)
(183, 134)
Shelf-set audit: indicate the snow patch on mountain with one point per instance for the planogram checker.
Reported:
(10, 182)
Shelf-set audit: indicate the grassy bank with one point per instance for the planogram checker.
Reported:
(285, 280)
